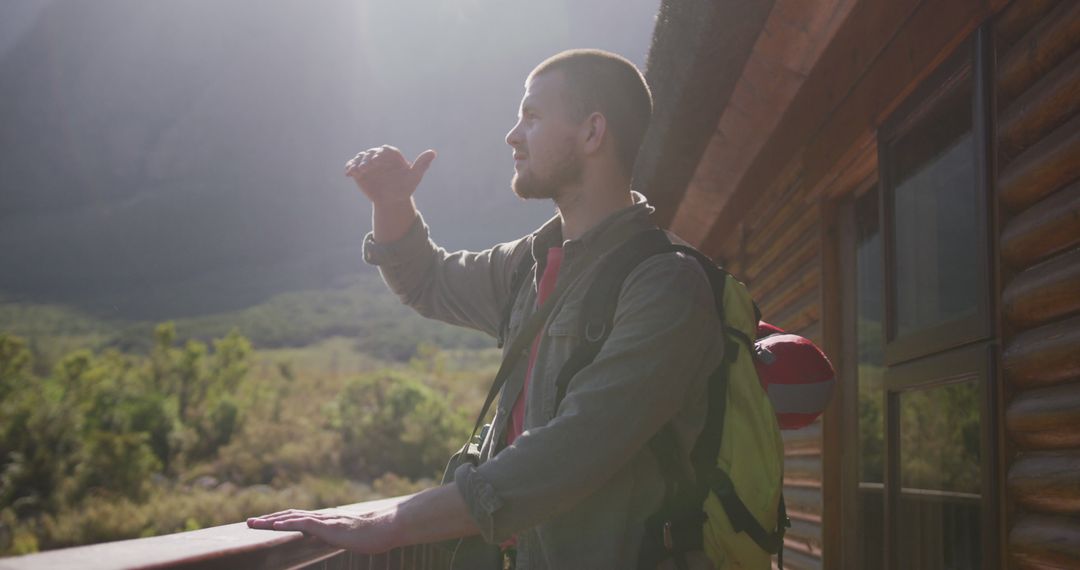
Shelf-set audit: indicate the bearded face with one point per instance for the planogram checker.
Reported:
(545, 181)
(547, 157)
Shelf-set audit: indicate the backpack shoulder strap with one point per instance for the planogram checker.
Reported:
(601, 298)
(603, 295)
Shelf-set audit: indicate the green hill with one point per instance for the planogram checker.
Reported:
(364, 310)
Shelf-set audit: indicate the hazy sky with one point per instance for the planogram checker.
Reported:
(16, 16)
(192, 150)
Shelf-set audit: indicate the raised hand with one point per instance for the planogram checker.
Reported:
(385, 176)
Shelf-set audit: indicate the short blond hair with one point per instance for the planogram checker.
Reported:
(607, 83)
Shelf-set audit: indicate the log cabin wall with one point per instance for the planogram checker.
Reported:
(1038, 191)
(778, 234)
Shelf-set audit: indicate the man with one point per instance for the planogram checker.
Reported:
(573, 485)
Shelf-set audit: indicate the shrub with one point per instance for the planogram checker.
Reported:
(280, 453)
(392, 423)
(115, 464)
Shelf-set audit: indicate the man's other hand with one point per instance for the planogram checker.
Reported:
(368, 533)
(385, 176)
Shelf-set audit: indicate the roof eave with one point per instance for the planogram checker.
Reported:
(697, 56)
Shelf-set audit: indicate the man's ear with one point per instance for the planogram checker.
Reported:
(594, 129)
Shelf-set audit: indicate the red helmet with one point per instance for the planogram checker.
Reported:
(795, 373)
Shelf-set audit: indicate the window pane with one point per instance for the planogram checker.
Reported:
(936, 241)
(940, 438)
(868, 331)
(931, 176)
(938, 521)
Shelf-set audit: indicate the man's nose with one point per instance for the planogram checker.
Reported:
(513, 138)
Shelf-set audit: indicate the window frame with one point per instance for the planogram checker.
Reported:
(965, 64)
(852, 488)
(955, 366)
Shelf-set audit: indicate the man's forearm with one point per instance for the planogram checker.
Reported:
(391, 220)
(433, 515)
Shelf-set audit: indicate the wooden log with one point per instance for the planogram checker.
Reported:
(811, 331)
(1044, 356)
(805, 441)
(1043, 168)
(799, 556)
(783, 241)
(773, 284)
(783, 274)
(1044, 292)
(1044, 541)
(791, 246)
(804, 255)
(796, 483)
(1045, 418)
(1033, 115)
(855, 174)
(783, 189)
(794, 287)
(1053, 39)
(806, 532)
(812, 518)
(1015, 20)
(800, 315)
(803, 467)
(766, 229)
(803, 499)
(1051, 226)
(806, 437)
(1047, 482)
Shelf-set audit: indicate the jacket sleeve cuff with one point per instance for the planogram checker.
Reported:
(481, 500)
(413, 243)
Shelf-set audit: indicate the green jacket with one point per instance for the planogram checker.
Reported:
(576, 487)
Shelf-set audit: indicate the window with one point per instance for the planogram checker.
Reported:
(921, 334)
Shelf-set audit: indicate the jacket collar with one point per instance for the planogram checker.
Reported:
(615, 229)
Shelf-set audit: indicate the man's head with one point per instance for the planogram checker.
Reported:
(579, 105)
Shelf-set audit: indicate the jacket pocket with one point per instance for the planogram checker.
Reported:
(566, 322)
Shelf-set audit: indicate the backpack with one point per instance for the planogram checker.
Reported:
(731, 506)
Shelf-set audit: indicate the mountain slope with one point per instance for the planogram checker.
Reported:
(180, 157)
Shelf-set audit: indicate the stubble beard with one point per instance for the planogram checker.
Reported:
(567, 170)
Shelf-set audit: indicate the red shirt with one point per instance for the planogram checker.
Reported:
(517, 414)
(547, 285)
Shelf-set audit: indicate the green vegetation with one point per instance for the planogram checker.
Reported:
(182, 430)
(940, 435)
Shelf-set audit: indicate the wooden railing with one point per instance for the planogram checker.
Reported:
(233, 546)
